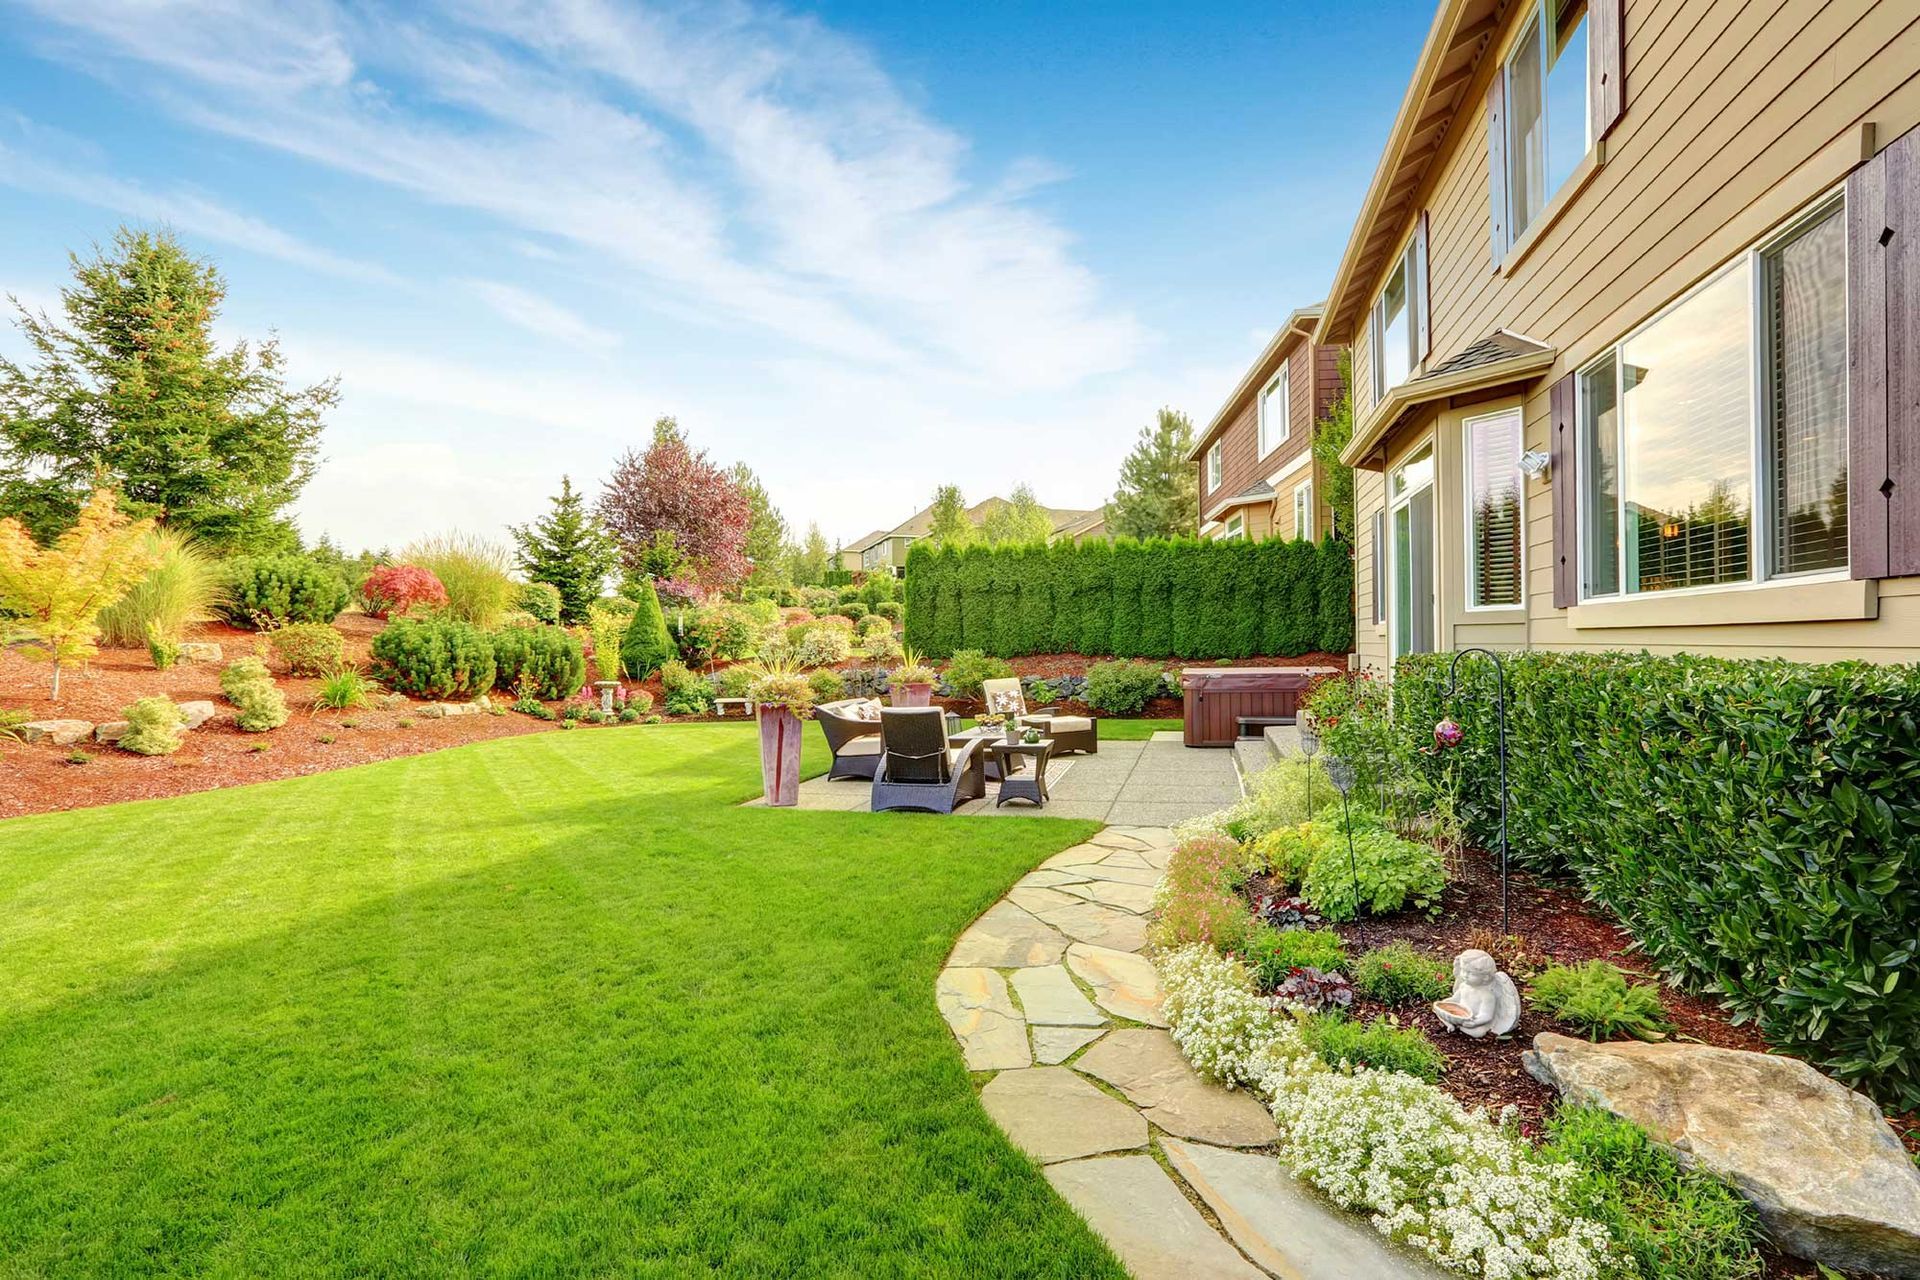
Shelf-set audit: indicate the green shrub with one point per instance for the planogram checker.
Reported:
(822, 645)
(532, 706)
(1123, 688)
(1274, 953)
(734, 681)
(1179, 597)
(606, 630)
(1674, 1224)
(343, 689)
(545, 660)
(1196, 899)
(1394, 874)
(1751, 823)
(640, 699)
(162, 651)
(249, 686)
(1400, 973)
(281, 589)
(1379, 1044)
(186, 586)
(434, 658)
(851, 609)
(969, 669)
(307, 648)
(154, 726)
(646, 644)
(827, 685)
(1596, 998)
(891, 610)
(477, 574)
(1284, 794)
(683, 692)
(538, 600)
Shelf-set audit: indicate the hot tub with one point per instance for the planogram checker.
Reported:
(1225, 703)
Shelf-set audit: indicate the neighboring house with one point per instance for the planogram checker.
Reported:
(887, 548)
(1258, 477)
(1635, 320)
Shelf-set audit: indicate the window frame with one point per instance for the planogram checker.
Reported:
(1380, 568)
(1215, 471)
(1518, 414)
(1304, 489)
(1544, 33)
(1236, 527)
(1278, 387)
(1377, 323)
(1426, 448)
(1761, 572)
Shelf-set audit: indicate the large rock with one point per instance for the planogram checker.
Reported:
(61, 733)
(197, 713)
(112, 730)
(200, 651)
(1831, 1181)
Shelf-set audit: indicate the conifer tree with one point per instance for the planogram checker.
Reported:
(1159, 493)
(569, 549)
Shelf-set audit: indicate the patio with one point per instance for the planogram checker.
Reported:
(1155, 783)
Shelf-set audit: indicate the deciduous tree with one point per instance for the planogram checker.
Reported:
(570, 549)
(1159, 493)
(133, 391)
(1022, 519)
(674, 489)
(61, 588)
(766, 542)
(811, 559)
(950, 525)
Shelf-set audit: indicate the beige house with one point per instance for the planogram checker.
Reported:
(1634, 307)
(887, 548)
(1257, 474)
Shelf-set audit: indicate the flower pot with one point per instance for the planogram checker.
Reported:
(779, 756)
(1013, 732)
(913, 695)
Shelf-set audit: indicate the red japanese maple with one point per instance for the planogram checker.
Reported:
(675, 489)
(400, 588)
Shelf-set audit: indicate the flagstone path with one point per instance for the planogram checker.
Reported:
(1049, 990)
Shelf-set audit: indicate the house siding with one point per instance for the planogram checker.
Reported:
(1241, 465)
(1737, 115)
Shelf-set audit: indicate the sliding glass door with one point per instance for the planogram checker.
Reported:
(1410, 495)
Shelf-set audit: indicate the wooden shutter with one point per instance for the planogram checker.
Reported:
(1606, 64)
(1422, 311)
(1497, 160)
(1566, 514)
(1883, 359)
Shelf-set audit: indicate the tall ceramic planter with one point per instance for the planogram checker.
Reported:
(913, 695)
(779, 755)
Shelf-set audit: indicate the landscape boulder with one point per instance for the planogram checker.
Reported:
(61, 733)
(1828, 1176)
(193, 715)
(200, 651)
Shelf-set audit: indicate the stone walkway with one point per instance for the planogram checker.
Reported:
(1050, 993)
(1154, 783)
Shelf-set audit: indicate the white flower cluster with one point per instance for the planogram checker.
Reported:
(1470, 1192)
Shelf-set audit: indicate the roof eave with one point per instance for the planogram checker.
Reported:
(1370, 431)
(1302, 322)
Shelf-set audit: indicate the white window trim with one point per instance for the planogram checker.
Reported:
(1377, 329)
(1236, 527)
(1515, 234)
(1394, 503)
(1466, 509)
(1306, 488)
(1213, 466)
(1759, 539)
(1268, 440)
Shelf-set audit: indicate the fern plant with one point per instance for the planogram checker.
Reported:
(1596, 999)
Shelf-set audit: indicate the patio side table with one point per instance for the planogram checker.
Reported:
(1015, 785)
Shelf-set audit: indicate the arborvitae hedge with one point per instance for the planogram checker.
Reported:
(1164, 598)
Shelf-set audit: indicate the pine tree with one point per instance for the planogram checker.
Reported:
(950, 526)
(570, 550)
(132, 391)
(766, 542)
(647, 645)
(1159, 493)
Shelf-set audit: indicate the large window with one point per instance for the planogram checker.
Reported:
(1303, 510)
(1213, 466)
(1274, 427)
(1392, 330)
(1547, 115)
(1236, 526)
(1681, 462)
(1494, 570)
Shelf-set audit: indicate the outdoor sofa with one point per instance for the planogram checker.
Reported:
(852, 726)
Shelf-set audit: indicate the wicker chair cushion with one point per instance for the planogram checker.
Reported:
(1066, 724)
(867, 746)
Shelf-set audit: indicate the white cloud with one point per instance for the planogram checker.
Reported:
(186, 211)
(541, 315)
(750, 163)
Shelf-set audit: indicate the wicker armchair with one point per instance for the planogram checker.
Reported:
(854, 740)
(1069, 733)
(918, 769)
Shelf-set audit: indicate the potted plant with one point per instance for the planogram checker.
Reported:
(782, 698)
(911, 682)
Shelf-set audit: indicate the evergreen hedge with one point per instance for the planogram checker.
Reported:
(1164, 598)
(1755, 824)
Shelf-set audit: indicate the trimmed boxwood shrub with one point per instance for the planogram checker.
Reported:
(647, 643)
(1753, 823)
(282, 589)
(1123, 688)
(544, 661)
(1166, 597)
(308, 648)
(434, 658)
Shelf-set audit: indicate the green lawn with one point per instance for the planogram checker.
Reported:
(549, 1005)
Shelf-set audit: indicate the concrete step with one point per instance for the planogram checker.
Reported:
(1283, 740)
(1251, 755)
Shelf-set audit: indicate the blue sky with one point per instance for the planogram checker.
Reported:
(866, 248)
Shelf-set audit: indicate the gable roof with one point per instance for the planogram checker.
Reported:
(1496, 360)
(861, 544)
(920, 523)
(1300, 324)
(1457, 43)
